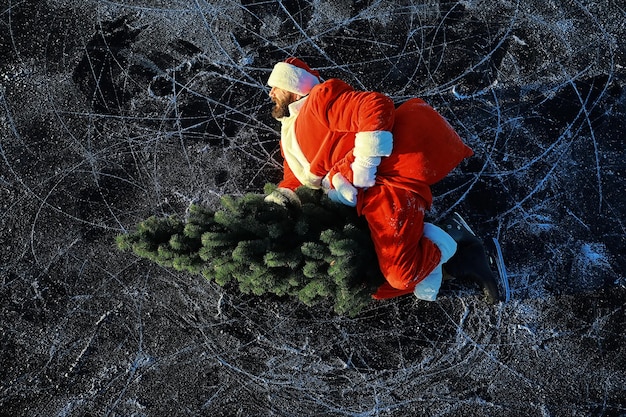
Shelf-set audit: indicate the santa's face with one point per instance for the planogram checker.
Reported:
(282, 99)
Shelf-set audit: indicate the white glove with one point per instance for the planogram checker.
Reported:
(283, 197)
(343, 193)
(364, 171)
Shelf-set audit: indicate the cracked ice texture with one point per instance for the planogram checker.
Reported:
(114, 111)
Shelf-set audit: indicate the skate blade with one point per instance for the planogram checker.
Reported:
(497, 260)
(463, 222)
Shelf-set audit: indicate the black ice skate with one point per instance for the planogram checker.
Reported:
(472, 262)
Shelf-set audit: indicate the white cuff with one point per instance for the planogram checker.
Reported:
(442, 240)
(374, 143)
(312, 180)
(428, 288)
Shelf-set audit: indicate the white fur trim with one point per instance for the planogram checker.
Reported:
(291, 78)
(294, 156)
(311, 180)
(428, 288)
(373, 143)
(444, 241)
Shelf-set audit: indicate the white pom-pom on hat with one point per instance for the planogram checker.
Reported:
(294, 75)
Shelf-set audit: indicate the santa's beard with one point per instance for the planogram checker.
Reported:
(281, 109)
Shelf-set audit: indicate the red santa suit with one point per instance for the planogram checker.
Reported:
(382, 160)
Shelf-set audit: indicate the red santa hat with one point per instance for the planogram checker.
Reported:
(294, 75)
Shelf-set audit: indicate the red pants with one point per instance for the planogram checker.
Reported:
(396, 221)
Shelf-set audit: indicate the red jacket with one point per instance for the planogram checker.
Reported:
(319, 138)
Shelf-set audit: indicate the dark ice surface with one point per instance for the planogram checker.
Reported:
(112, 111)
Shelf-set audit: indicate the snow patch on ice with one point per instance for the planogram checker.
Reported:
(595, 254)
(519, 41)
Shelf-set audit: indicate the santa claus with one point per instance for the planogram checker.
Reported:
(366, 153)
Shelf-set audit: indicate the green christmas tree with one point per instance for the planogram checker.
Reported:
(317, 251)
